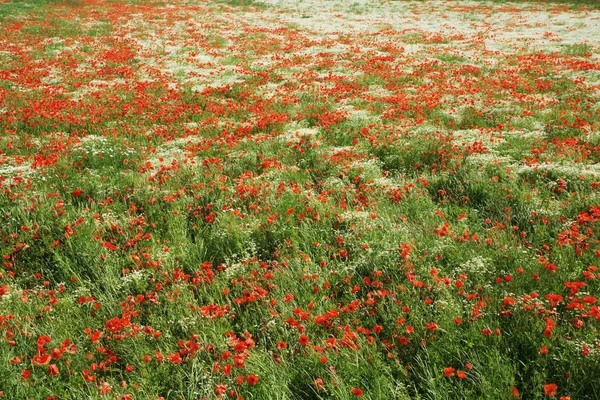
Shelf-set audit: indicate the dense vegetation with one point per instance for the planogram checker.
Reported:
(299, 200)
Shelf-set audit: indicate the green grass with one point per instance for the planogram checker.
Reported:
(418, 215)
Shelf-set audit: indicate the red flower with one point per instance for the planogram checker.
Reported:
(319, 383)
(25, 374)
(449, 371)
(252, 379)
(357, 392)
(461, 374)
(42, 359)
(431, 326)
(87, 376)
(220, 389)
(303, 340)
(52, 370)
(550, 389)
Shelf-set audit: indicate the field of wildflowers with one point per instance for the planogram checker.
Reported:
(299, 199)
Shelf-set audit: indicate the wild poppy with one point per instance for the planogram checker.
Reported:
(303, 340)
(252, 379)
(550, 389)
(42, 359)
(220, 389)
(319, 384)
(52, 370)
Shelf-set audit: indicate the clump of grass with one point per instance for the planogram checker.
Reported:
(578, 50)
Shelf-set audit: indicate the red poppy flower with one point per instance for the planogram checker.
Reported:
(43, 359)
(303, 340)
(357, 392)
(550, 389)
(220, 389)
(449, 371)
(252, 379)
(431, 326)
(319, 384)
(52, 370)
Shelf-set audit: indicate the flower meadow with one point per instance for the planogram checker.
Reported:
(299, 200)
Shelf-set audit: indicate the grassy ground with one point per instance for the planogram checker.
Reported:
(299, 200)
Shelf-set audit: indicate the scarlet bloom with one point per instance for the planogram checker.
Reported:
(252, 379)
(175, 358)
(319, 383)
(220, 389)
(87, 376)
(303, 340)
(43, 359)
(52, 370)
(105, 388)
(461, 374)
(25, 374)
(449, 371)
(550, 389)
(515, 392)
(357, 392)
(281, 345)
(431, 326)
